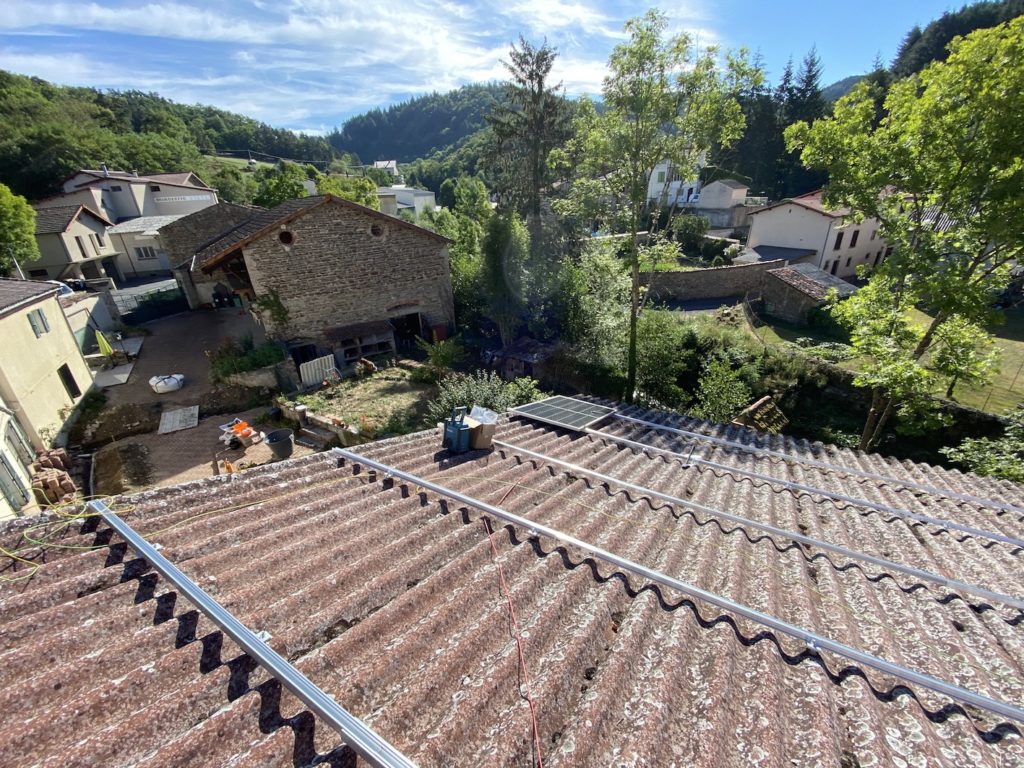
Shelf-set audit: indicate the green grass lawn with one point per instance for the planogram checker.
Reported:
(1004, 393)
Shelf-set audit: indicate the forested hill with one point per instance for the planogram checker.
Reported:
(921, 47)
(48, 131)
(419, 127)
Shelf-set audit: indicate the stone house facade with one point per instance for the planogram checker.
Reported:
(330, 276)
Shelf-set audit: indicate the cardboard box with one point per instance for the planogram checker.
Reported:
(481, 436)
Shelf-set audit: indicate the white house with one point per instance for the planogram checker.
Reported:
(120, 195)
(416, 201)
(667, 187)
(722, 193)
(801, 230)
(140, 250)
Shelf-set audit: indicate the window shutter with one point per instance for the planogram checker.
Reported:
(34, 323)
(44, 321)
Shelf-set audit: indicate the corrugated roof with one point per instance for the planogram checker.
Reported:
(16, 292)
(813, 281)
(50, 221)
(391, 600)
(143, 224)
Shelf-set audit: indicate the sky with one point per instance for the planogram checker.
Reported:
(309, 64)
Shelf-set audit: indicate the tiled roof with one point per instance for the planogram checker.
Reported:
(55, 220)
(16, 292)
(265, 220)
(812, 201)
(813, 281)
(391, 600)
(193, 232)
(255, 224)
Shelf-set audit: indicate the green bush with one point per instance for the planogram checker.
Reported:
(241, 355)
(721, 393)
(484, 388)
(1002, 458)
(442, 356)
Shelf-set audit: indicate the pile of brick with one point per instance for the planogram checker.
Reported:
(51, 481)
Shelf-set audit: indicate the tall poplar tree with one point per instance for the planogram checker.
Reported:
(664, 100)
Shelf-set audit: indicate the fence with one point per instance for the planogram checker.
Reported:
(140, 308)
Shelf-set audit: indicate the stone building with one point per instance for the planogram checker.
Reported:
(330, 276)
(793, 292)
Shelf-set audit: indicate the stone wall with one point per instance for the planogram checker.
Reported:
(711, 283)
(282, 376)
(344, 266)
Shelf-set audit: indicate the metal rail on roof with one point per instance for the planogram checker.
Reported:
(358, 735)
(811, 489)
(814, 641)
(945, 492)
(889, 565)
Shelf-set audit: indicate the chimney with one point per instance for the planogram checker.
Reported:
(135, 173)
(103, 167)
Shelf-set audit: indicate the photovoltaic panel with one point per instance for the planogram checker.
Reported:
(567, 412)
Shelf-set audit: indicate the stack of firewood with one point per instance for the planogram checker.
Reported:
(51, 482)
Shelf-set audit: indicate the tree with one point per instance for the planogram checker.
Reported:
(282, 182)
(233, 185)
(17, 231)
(535, 119)
(942, 174)
(663, 100)
(506, 249)
(358, 189)
(964, 353)
(1003, 457)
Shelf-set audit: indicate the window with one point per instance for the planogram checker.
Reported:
(376, 230)
(69, 382)
(99, 239)
(873, 233)
(825, 267)
(661, 177)
(95, 243)
(39, 273)
(115, 188)
(878, 258)
(37, 319)
(154, 187)
(888, 252)
(853, 239)
(839, 241)
(286, 237)
(848, 260)
(81, 246)
(145, 252)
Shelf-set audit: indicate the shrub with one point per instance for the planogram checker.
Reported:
(442, 356)
(240, 355)
(484, 388)
(721, 394)
(1002, 458)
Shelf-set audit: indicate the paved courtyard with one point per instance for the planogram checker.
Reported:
(179, 344)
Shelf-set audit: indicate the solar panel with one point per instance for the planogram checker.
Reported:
(567, 412)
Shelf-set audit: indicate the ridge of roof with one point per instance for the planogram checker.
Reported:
(264, 221)
(812, 201)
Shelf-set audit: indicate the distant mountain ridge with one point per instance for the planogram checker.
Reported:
(419, 127)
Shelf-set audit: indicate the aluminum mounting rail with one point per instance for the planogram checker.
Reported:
(889, 565)
(358, 735)
(944, 492)
(854, 500)
(813, 641)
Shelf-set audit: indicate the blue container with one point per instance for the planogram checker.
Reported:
(456, 432)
